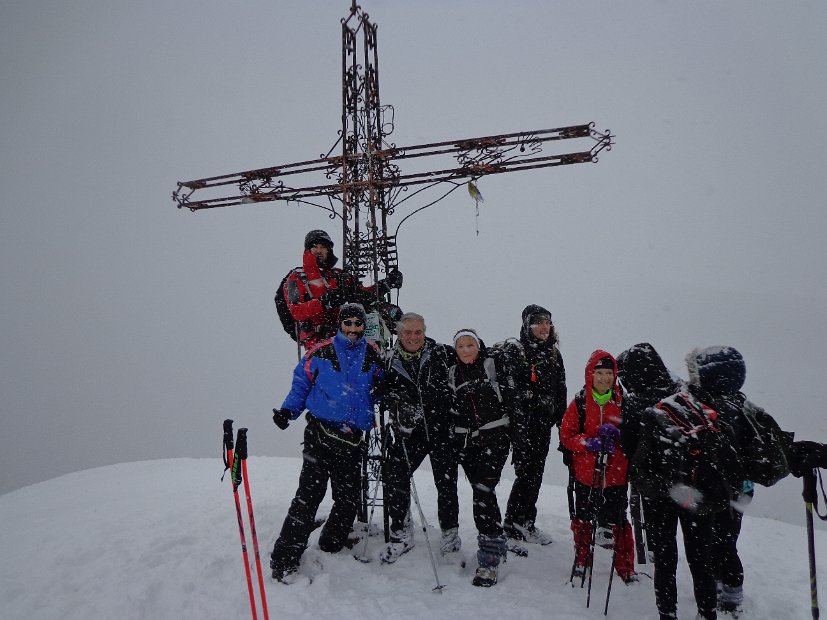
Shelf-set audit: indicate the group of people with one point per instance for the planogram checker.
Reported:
(470, 405)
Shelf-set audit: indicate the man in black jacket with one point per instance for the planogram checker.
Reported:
(541, 381)
(418, 399)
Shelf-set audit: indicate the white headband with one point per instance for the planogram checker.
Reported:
(469, 333)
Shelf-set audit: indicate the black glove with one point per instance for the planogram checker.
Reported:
(333, 298)
(394, 279)
(807, 456)
(282, 417)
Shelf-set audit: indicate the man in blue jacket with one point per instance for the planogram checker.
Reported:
(335, 381)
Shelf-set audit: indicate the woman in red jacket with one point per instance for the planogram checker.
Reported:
(590, 432)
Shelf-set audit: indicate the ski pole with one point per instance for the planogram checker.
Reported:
(229, 463)
(241, 455)
(810, 496)
(619, 540)
(638, 523)
(595, 516)
(573, 514)
(379, 480)
(439, 586)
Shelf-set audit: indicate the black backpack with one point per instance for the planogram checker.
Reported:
(287, 320)
(764, 455)
(684, 454)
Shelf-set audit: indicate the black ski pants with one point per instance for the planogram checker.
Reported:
(662, 517)
(482, 459)
(725, 559)
(331, 455)
(529, 459)
(436, 443)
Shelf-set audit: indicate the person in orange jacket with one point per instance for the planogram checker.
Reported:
(590, 433)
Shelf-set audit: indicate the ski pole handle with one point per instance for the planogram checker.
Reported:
(241, 444)
(228, 434)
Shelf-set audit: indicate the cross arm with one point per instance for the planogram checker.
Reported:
(328, 176)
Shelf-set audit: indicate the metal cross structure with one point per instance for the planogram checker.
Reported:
(363, 184)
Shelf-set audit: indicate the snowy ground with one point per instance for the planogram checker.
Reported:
(158, 539)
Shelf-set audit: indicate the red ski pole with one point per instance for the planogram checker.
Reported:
(235, 478)
(241, 455)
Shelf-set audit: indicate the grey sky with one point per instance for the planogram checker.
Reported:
(130, 329)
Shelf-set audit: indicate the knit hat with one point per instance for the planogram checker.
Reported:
(352, 311)
(717, 370)
(315, 237)
(533, 314)
(605, 362)
(470, 333)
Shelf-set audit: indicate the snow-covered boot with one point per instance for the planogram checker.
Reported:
(731, 600)
(284, 574)
(492, 549)
(707, 614)
(530, 533)
(450, 541)
(400, 543)
(485, 577)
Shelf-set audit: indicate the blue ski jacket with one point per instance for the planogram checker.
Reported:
(336, 382)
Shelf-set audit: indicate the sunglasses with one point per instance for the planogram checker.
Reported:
(356, 323)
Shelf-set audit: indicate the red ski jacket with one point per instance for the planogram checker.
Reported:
(573, 437)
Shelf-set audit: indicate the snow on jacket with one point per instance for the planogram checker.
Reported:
(573, 438)
(335, 381)
(302, 290)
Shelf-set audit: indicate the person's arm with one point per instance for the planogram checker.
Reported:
(806, 456)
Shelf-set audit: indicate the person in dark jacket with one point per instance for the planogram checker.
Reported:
(646, 380)
(315, 290)
(335, 382)
(685, 466)
(541, 382)
(484, 399)
(415, 392)
(590, 432)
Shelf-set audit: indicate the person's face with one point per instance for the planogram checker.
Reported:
(412, 335)
(352, 328)
(541, 330)
(467, 349)
(604, 378)
(321, 252)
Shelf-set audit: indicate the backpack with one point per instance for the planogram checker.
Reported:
(490, 372)
(764, 457)
(287, 320)
(684, 454)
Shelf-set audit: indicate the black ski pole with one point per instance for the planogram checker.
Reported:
(618, 540)
(241, 456)
(638, 524)
(229, 463)
(595, 517)
(810, 496)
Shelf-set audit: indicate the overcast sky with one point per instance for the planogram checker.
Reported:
(130, 329)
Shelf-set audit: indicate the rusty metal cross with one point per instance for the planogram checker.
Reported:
(363, 184)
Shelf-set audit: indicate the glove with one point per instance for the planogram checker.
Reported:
(610, 435)
(594, 444)
(333, 298)
(807, 456)
(282, 418)
(394, 279)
